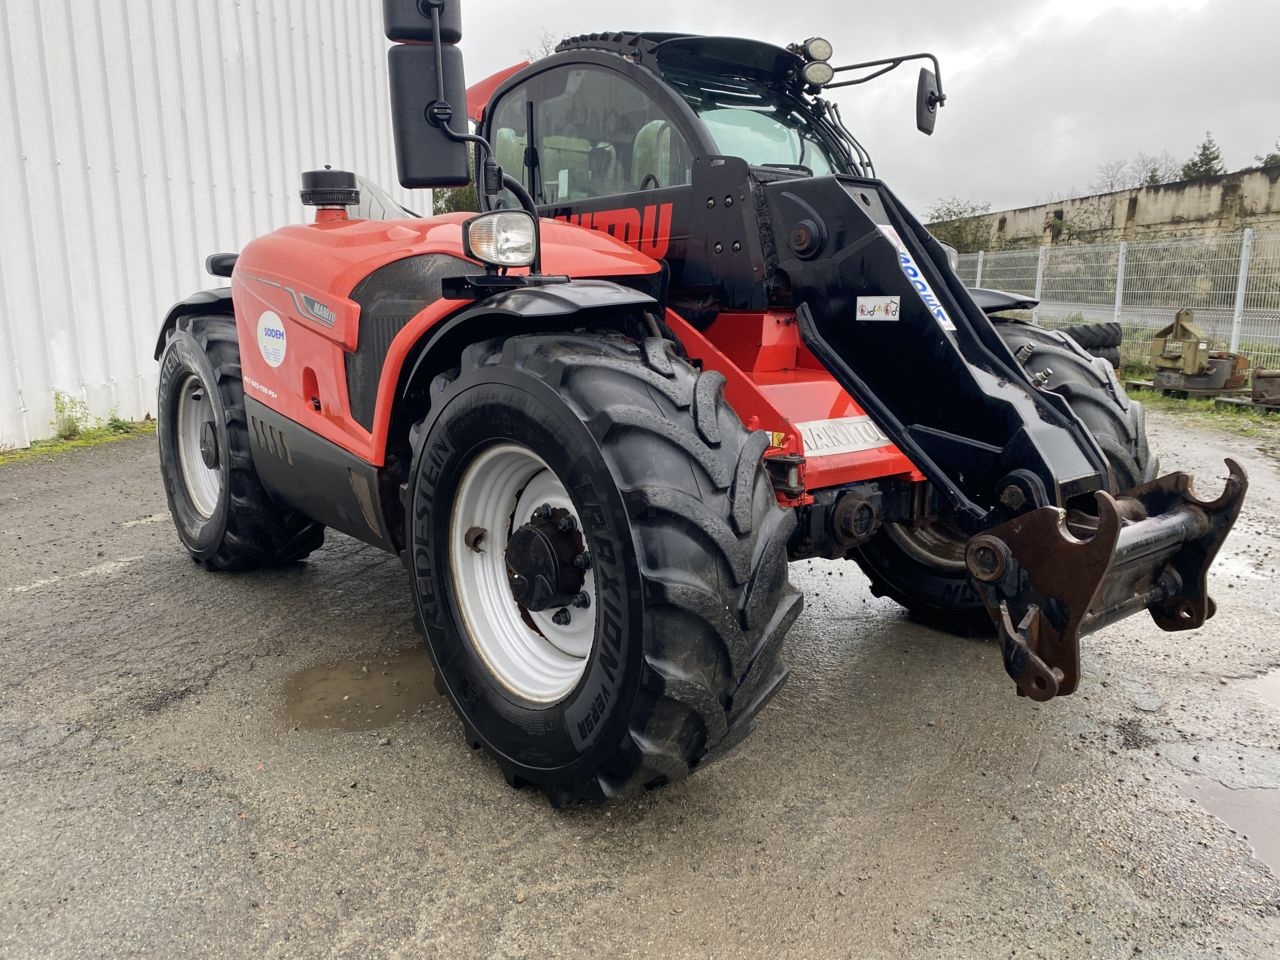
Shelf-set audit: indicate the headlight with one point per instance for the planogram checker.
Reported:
(505, 238)
(818, 73)
(817, 48)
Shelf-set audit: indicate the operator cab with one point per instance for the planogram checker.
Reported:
(626, 113)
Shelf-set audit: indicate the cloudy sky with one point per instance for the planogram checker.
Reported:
(1040, 92)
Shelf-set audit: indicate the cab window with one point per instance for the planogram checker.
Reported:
(596, 134)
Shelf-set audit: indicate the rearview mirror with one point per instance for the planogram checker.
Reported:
(409, 21)
(927, 101)
(426, 74)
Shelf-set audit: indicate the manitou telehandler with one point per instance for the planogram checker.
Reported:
(691, 337)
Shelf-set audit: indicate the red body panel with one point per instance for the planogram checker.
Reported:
(325, 261)
(479, 94)
(774, 383)
(772, 380)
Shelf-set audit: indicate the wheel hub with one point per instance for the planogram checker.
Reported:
(541, 558)
(196, 436)
(209, 445)
(523, 579)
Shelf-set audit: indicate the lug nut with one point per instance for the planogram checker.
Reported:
(582, 601)
(562, 617)
(542, 512)
(582, 561)
(567, 524)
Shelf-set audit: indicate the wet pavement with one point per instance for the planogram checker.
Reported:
(361, 694)
(180, 773)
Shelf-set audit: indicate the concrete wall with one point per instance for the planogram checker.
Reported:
(1230, 202)
(137, 136)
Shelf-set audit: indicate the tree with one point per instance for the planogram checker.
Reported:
(1149, 171)
(1144, 170)
(457, 199)
(965, 224)
(1205, 162)
(544, 47)
(1271, 159)
(1113, 175)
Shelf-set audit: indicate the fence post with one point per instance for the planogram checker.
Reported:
(1035, 313)
(1242, 285)
(977, 281)
(1120, 262)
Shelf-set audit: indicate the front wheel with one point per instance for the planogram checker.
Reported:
(599, 562)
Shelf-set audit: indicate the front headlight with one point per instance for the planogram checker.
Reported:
(504, 238)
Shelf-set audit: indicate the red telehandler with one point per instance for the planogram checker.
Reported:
(690, 338)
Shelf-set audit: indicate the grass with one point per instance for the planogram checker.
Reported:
(85, 435)
(1253, 424)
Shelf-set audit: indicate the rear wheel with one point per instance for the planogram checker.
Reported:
(599, 562)
(223, 515)
(922, 566)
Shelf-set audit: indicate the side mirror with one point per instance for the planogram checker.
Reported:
(928, 99)
(409, 21)
(428, 92)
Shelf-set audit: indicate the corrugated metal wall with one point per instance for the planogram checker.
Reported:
(138, 136)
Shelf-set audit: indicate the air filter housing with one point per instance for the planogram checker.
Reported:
(330, 188)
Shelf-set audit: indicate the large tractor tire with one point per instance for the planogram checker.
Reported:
(1095, 336)
(599, 562)
(923, 568)
(223, 515)
(1098, 339)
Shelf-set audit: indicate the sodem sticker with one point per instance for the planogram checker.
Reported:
(272, 340)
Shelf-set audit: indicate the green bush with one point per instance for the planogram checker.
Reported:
(70, 416)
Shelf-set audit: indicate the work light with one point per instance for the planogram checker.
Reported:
(817, 48)
(818, 73)
(504, 238)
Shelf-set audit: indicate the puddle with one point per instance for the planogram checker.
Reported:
(1267, 686)
(361, 694)
(1254, 813)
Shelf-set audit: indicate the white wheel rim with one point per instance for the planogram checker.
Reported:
(203, 483)
(525, 650)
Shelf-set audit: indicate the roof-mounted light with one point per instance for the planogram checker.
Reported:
(818, 73)
(817, 48)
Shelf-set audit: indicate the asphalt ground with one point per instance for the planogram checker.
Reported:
(180, 775)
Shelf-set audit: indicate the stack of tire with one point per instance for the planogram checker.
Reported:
(1100, 339)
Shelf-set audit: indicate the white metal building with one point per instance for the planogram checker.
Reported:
(138, 136)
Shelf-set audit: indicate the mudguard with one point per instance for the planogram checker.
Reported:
(217, 301)
(997, 301)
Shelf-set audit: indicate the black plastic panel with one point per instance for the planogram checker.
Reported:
(389, 298)
(316, 477)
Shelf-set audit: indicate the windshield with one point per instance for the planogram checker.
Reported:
(749, 119)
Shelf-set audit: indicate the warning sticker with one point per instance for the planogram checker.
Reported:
(878, 308)
(272, 341)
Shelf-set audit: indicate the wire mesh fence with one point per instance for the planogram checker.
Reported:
(1231, 281)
